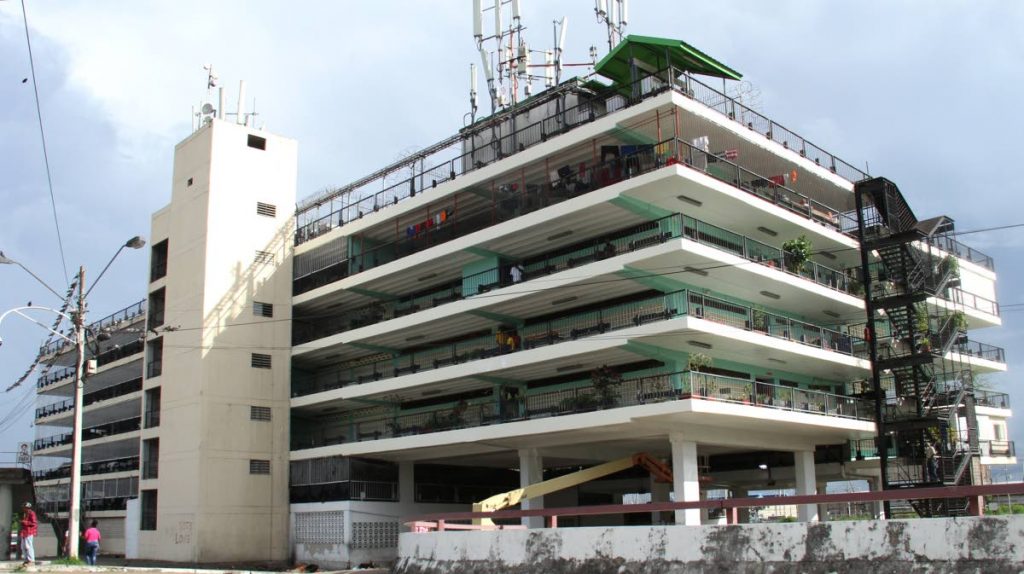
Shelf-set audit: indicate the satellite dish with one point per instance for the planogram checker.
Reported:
(207, 109)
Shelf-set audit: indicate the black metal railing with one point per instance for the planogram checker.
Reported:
(514, 196)
(111, 392)
(150, 469)
(125, 464)
(980, 350)
(104, 358)
(616, 394)
(984, 398)
(444, 167)
(621, 241)
(997, 448)
(584, 324)
(950, 245)
(129, 313)
(154, 368)
(91, 433)
(344, 490)
(151, 419)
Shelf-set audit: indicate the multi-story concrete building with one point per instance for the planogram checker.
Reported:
(641, 265)
(111, 422)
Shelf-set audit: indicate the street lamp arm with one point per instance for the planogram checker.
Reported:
(18, 311)
(8, 260)
(135, 243)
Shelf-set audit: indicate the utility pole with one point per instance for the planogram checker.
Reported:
(74, 500)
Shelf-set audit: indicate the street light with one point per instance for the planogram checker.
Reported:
(78, 320)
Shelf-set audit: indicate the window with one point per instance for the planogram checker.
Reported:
(259, 413)
(999, 431)
(155, 309)
(263, 257)
(148, 514)
(189, 184)
(151, 416)
(158, 261)
(263, 309)
(266, 209)
(257, 142)
(150, 458)
(259, 466)
(260, 361)
(154, 358)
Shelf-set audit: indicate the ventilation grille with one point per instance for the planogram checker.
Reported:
(257, 466)
(259, 413)
(320, 527)
(260, 361)
(263, 309)
(264, 257)
(266, 209)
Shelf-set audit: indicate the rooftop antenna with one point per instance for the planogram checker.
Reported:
(615, 14)
(559, 47)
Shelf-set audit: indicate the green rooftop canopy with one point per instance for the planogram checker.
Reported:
(657, 54)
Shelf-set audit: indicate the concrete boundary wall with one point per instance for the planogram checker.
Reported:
(992, 545)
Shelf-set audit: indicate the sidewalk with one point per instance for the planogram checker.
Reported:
(117, 565)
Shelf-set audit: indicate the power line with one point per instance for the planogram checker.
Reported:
(42, 136)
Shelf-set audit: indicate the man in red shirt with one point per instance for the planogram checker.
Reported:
(29, 527)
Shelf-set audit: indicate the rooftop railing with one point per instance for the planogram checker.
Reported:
(603, 247)
(129, 313)
(583, 324)
(616, 394)
(447, 164)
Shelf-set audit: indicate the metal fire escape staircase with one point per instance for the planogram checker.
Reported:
(920, 396)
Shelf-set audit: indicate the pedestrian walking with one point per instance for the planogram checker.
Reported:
(27, 532)
(92, 543)
(931, 462)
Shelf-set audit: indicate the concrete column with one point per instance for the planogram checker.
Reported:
(875, 484)
(685, 478)
(805, 482)
(6, 506)
(743, 513)
(660, 492)
(822, 508)
(406, 484)
(531, 471)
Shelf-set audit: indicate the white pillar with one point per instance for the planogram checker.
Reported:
(823, 508)
(805, 483)
(406, 484)
(6, 507)
(660, 492)
(531, 471)
(685, 478)
(875, 484)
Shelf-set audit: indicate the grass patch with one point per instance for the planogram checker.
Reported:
(68, 562)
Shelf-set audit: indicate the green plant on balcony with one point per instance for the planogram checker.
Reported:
(960, 320)
(797, 252)
(604, 381)
(698, 362)
(921, 319)
(760, 320)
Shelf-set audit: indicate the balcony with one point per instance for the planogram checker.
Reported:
(104, 358)
(1000, 448)
(111, 392)
(954, 247)
(125, 464)
(91, 433)
(447, 161)
(150, 470)
(129, 313)
(624, 240)
(154, 369)
(980, 350)
(344, 490)
(585, 324)
(151, 419)
(512, 196)
(614, 394)
(983, 398)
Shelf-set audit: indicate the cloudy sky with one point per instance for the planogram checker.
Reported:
(926, 93)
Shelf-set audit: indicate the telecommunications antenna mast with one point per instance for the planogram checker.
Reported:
(615, 14)
(506, 62)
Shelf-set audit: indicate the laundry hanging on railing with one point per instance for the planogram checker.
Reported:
(427, 224)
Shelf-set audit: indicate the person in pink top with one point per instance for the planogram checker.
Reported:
(92, 543)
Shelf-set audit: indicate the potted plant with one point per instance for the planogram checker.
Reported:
(698, 361)
(760, 320)
(797, 252)
(960, 320)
